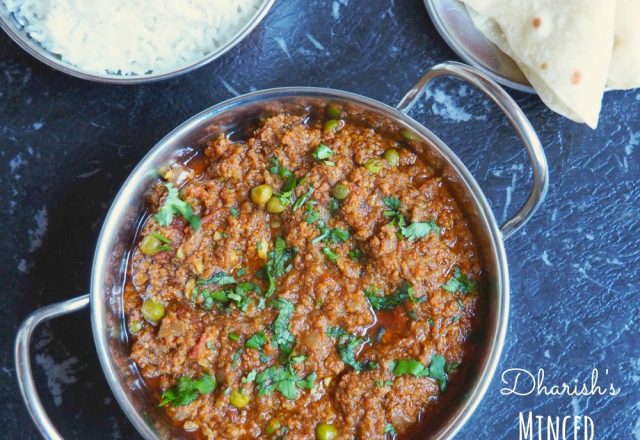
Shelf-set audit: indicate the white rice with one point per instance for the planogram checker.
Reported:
(132, 37)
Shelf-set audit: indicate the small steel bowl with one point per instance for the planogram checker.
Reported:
(15, 30)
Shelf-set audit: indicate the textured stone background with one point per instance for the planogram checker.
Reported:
(67, 145)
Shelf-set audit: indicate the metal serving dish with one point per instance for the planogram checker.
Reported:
(455, 26)
(15, 30)
(110, 260)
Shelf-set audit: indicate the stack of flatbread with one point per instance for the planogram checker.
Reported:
(569, 50)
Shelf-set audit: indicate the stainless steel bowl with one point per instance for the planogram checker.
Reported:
(17, 33)
(110, 260)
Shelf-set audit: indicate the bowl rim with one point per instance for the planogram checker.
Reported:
(33, 48)
(111, 226)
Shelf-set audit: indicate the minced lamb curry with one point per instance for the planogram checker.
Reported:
(314, 279)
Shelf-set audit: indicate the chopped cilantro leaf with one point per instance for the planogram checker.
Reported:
(167, 243)
(389, 302)
(283, 339)
(238, 294)
(334, 205)
(322, 152)
(383, 383)
(393, 213)
(436, 370)
(349, 346)
(298, 358)
(257, 341)
(234, 211)
(389, 429)
(419, 230)
(278, 169)
(312, 214)
(459, 283)
(236, 357)
(219, 278)
(278, 264)
(234, 337)
(250, 377)
(356, 254)
(174, 205)
(187, 390)
(284, 380)
(332, 256)
(302, 199)
(337, 235)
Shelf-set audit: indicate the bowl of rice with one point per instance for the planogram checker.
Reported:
(129, 41)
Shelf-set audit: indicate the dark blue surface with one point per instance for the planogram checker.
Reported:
(67, 145)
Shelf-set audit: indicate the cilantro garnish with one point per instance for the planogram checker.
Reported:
(383, 383)
(393, 213)
(419, 230)
(286, 194)
(389, 429)
(283, 339)
(187, 390)
(337, 235)
(302, 199)
(250, 377)
(278, 264)
(380, 302)
(256, 341)
(356, 254)
(278, 169)
(459, 283)
(349, 346)
(436, 370)
(234, 211)
(332, 256)
(220, 278)
(174, 205)
(284, 380)
(238, 295)
(334, 205)
(236, 357)
(312, 214)
(167, 243)
(323, 154)
(413, 231)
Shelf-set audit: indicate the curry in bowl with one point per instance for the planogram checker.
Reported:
(309, 277)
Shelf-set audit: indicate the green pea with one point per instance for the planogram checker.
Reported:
(374, 165)
(340, 191)
(326, 431)
(135, 327)
(408, 135)
(152, 310)
(150, 245)
(392, 156)
(331, 125)
(333, 111)
(273, 425)
(261, 194)
(239, 399)
(275, 206)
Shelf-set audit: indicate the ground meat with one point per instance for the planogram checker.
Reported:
(309, 312)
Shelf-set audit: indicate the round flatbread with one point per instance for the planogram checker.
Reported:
(563, 48)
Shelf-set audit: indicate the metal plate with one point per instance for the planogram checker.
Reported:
(15, 30)
(452, 21)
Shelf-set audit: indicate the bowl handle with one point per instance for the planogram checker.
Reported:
(23, 361)
(518, 119)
